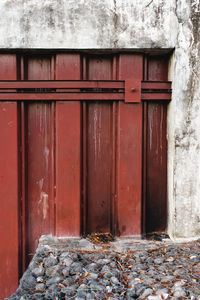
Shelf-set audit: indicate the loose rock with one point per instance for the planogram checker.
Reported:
(77, 269)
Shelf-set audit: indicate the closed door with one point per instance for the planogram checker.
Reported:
(86, 161)
(89, 166)
(79, 166)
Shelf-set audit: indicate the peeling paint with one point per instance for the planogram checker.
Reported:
(43, 204)
(41, 182)
(97, 133)
(46, 156)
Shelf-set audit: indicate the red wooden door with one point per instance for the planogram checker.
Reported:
(82, 159)
(80, 166)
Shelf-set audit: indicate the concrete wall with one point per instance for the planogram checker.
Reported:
(130, 24)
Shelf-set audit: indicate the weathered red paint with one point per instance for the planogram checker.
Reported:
(129, 156)
(132, 91)
(86, 90)
(156, 164)
(63, 84)
(61, 96)
(99, 152)
(9, 200)
(39, 151)
(68, 152)
(79, 168)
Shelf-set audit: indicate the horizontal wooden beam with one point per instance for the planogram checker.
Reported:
(156, 91)
(62, 84)
(161, 96)
(130, 91)
(61, 96)
(156, 85)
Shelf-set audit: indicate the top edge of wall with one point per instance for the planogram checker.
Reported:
(149, 51)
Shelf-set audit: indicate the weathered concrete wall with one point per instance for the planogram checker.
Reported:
(88, 24)
(106, 24)
(184, 125)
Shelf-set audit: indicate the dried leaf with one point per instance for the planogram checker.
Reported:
(122, 293)
(165, 250)
(99, 238)
(60, 285)
(170, 259)
(86, 274)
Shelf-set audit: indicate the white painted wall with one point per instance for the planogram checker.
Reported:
(129, 24)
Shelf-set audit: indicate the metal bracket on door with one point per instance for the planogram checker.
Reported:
(130, 91)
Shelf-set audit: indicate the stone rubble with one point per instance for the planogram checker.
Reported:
(123, 269)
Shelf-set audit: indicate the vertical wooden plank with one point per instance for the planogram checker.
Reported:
(9, 249)
(156, 201)
(84, 156)
(144, 161)
(38, 68)
(158, 67)
(8, 65)
(68, 156)
(99, 152)
(130, 152)
(39, 149)
(22, 162)
(114, 216)
(53, 158)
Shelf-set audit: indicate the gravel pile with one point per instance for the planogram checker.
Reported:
(126, 269)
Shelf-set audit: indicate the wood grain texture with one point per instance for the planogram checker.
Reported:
(156, 192)
(99, 152)
(68, 152)
(130, 152)
(9, 202)
(39, 151)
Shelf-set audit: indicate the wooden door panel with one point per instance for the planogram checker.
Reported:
(68, 152)
(68, 170)
(9, 185)
(9, 228)
(156, 170)
(99, 167)
(37, 68)
(129, 162)
(99, 152)
(73, 167)
(39, 152)
(156, 189)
